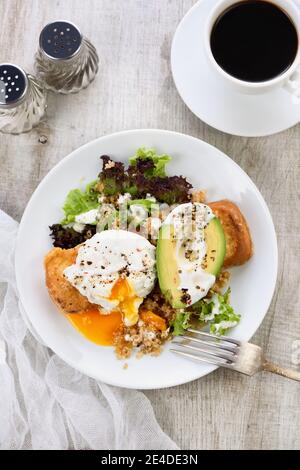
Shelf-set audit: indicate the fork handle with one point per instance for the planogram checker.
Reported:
(275, 369)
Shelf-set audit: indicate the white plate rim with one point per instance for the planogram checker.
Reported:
(107, 137)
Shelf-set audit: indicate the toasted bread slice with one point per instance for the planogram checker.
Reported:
(238, 239)
(64, 295)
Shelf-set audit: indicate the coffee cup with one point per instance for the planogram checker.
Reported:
(288, 78)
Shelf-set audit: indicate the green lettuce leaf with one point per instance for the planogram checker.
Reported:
(217, 312)
(181, 322)
(159, 161)
(146, 203)
(78, 201)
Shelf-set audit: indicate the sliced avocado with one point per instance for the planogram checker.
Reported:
(167, 265)
(216, 246)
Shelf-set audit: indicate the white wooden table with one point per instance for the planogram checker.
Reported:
(134, 89)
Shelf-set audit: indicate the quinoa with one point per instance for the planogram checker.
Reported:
(145, 339)
(156, 303)
(199, 196)
(221, 281)
(142, 337)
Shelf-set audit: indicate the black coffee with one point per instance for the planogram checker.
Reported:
(254, 40)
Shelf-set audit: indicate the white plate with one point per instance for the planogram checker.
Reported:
(210, 99)
(206, 167)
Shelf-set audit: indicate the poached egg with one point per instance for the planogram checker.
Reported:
(189, 221)
(115, 269)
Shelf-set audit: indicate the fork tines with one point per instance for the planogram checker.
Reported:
(206, 347)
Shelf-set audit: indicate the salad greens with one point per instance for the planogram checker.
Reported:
(67, 237)
(159, 161)
(78, 202)
(181, 322)
(215, 311)
(146, 203)
(114, 180)
(146, 174)
(112, 177)
(219, 313)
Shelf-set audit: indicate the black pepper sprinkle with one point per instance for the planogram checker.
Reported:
(102, 267)
(89, 262)
(185, 298)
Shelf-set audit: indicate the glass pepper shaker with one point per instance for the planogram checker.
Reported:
(22, 100)
(66, 61)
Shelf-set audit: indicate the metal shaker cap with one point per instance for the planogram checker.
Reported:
(13, 85)
(60, 40)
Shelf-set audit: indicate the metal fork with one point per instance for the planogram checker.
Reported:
(227, 352)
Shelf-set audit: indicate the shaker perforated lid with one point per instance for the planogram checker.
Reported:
(60, 40)
(13, 85)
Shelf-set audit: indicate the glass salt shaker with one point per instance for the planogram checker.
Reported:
(66, 61)
(22, 100)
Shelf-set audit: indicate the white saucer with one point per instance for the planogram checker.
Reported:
(210, 99)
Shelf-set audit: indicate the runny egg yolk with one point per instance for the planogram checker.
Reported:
(100, 328)
(97, 328)
(129, 302)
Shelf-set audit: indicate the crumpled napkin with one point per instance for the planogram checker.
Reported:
(45, 404)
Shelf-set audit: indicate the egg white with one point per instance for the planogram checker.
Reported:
(104, 259)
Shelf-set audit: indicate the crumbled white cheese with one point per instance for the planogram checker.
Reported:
(124, 198)
(215, 310)
(109, 164)
(150, 197)
(138, 212)
(155, 224)
(78, 227)
(89, 217)
(224, 324)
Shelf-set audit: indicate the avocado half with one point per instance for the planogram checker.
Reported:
(167, 265)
